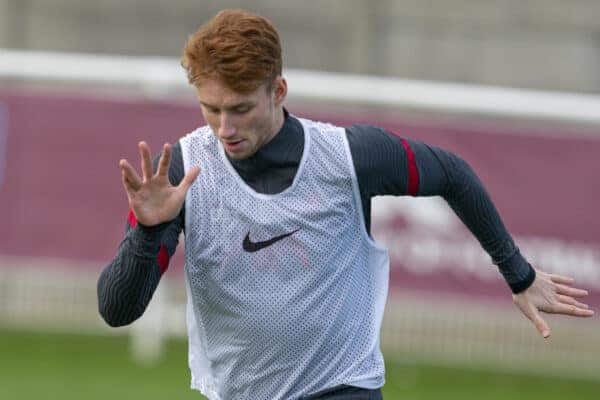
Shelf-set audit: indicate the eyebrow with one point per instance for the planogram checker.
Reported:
(248, 103)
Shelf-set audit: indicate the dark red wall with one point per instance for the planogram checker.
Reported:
(61, 194)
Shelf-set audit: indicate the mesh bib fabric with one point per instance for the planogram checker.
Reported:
(286, 292)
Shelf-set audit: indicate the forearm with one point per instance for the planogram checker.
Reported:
(127, 284)
(467, 196)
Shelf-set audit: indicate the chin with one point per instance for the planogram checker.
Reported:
(235, 156)
(238, 155)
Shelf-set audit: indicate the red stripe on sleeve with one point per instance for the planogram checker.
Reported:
(131, 219)
(163, 259)
(413, 171)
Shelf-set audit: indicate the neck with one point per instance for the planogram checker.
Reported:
(278, 121)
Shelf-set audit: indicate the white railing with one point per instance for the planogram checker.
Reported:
(58, 295)
(162, 75)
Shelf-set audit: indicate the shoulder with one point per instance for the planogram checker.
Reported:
(202, 133)
(369, 143)
(320, 126)
(200, 140)
(364, 136)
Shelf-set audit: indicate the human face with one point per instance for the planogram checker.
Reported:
(243, 123)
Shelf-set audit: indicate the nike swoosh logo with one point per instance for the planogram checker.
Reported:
(251, 246)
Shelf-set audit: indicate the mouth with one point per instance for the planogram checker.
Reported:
(234, 145)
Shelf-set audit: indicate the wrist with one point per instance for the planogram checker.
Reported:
(147, 239)
(517, 272)
(153, 229)
(525, 283)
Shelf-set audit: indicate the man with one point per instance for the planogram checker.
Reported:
(286, 288)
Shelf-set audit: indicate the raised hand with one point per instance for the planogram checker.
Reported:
(152, 198)
(551, 294)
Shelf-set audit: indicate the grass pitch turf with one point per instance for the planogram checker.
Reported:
(64, 367)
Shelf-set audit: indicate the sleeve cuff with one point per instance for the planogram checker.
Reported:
(517, 272)
(146, 240)
(523, 285)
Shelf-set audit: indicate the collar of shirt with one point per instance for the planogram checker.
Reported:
(282, 152)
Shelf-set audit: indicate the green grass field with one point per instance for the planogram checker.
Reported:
(64, 367)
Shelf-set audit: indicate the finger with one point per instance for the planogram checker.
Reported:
(570, 291)
(130, 176)
(165, 159)
(573, 310)
(533, 315)
(146, 161)
(130, 188)
(571, 301)
(539, 323)
(561, 279)
(189, 178)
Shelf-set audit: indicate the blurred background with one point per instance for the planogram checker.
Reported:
(510, 86)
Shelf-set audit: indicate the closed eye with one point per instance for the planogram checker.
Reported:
(212, 110)
(241, 109)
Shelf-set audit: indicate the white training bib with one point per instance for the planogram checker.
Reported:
(286, 292)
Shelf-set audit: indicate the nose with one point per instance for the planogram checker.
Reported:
(226, 127)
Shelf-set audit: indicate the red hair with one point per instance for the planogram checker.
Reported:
(240, 49)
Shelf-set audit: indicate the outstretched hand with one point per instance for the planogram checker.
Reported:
(551, 294)
(152, 198)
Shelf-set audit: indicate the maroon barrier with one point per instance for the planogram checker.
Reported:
(61, 194)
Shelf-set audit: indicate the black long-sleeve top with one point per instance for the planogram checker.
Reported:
(385, 164)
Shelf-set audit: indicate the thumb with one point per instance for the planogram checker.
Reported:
(189, 178)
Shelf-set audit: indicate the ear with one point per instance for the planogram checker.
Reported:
(279, 90)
